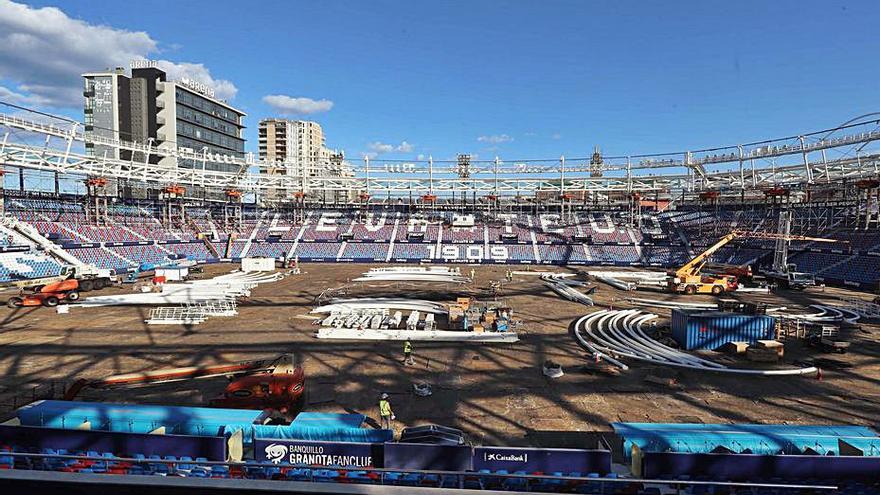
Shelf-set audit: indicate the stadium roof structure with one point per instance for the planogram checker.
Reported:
(35, 142)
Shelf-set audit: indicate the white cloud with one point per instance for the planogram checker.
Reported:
(11, 96)
(290, 105)
(378, 147)
(556, 136)
(223, 89)
(45, 52)
(420, 157)
(495, 139)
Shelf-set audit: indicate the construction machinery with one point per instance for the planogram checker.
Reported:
(49, 295)
(689, 280)
(88, 276)
(276, 384)
(279, 390)
(741, 272)
(783, 273)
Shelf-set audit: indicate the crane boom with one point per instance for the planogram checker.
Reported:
(692, 267)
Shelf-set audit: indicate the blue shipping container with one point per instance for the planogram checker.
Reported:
(698, 329)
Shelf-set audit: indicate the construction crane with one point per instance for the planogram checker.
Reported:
(689, 280)
(783, 273)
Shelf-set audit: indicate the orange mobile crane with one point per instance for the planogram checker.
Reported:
(689, 280)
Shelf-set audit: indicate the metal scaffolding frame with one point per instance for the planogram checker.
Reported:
(32, 145)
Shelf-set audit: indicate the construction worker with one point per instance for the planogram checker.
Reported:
(385, 412)
(473, 272)
(407, 353)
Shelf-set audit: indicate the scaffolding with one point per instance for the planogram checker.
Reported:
(96, 201)
(191, 314)
(232, 212)
(174, 207)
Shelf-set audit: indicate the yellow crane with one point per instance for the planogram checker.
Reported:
(689, 280)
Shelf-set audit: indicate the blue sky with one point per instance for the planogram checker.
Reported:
(533, 79)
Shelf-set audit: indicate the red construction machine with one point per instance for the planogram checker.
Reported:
(276, 385)
(48, 295)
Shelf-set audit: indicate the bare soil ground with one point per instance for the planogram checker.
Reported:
(496, 393)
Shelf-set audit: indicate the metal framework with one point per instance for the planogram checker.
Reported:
(28, 144)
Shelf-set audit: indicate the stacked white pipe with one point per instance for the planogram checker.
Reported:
(630, 281)
(349, 305)
(224, 287)
(440, 274)
(826, 314)
(566, 288)
(353, 319)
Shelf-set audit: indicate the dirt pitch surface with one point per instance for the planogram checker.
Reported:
(496, 393)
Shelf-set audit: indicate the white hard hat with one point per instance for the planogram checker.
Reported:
(384, 395)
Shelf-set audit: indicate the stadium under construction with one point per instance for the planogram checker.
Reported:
(692, 322)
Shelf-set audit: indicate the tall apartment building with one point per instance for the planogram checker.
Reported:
(298, 144)
(297, 148)
(149, 109)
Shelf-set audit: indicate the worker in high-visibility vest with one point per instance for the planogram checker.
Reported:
(385, 412)
(408, 353)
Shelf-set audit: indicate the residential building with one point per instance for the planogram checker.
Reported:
(297, 148)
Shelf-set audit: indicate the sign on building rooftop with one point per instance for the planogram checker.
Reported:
(198, 87)
(143, 64)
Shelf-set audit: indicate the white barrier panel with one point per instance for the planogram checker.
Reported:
(173, 274)
(257, 264)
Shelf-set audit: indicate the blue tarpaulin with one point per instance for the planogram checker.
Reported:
(292, 432)
(132, 418)
(745, 438)
(328, 420)
(321, 427)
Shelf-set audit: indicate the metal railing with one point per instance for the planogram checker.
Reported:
(411, 477)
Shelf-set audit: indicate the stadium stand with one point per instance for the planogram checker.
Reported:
(19, 266)
(191, 250)
(137, 236)
(411, 251)
(269, 249)
(100, 257)
(323, 250)
(367, 250)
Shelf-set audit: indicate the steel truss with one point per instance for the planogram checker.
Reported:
(51, 148)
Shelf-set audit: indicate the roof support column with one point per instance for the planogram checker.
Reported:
(806, 160)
